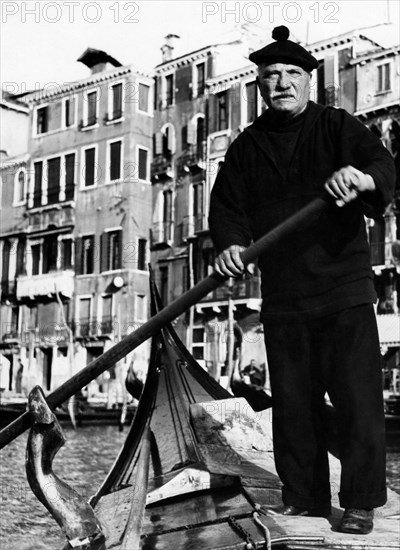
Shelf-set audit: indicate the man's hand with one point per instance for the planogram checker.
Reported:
(228, 262)
(345, 184)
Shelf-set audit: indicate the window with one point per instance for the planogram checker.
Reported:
(198, 205)
(88, 254)
(42, 120)
(198, 343)
(66, 253)
(69, 112)
(91, 108)
(200, 136)
(50, 249)
(383, 84)
(140, 307)
(20, 187)
(143, 163)
(321, 98)
(144, 95)
(106, 314)
(111, 250)
(116, 101)
(84, 308)
(21, 252)
(141, 263)
(164, 285)
(222, 111)
(37, 191)
(69, 176)
(169, 88)
(36, 253)
(115, 160)
(251, 101)
(53, 180)
(200, 78)
(89, 167)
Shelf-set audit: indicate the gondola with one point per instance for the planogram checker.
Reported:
(196, 472)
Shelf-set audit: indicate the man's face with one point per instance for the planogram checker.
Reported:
(284, 88)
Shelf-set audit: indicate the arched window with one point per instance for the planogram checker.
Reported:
(20, 187)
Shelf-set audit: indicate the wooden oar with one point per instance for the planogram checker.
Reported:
(300, 219)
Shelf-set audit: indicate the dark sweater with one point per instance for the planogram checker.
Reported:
(326, 267)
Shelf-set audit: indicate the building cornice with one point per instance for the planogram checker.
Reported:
(60, 91)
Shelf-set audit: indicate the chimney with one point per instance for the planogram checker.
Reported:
(168, 48)
(97, 60)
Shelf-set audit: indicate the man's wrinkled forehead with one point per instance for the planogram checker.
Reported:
(270, 67)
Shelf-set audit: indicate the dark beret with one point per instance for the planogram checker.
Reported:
(284, 51)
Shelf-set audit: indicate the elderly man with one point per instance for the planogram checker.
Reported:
(317, 288)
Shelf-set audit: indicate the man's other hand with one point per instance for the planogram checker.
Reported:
(345, 184)
(228, 262)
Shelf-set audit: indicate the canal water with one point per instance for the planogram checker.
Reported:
(84, 460)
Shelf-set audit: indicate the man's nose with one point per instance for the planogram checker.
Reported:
(284, 81)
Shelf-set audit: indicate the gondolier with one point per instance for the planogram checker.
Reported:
(318, 292)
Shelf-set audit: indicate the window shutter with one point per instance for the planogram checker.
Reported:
(78, 255)
(115, 161)
(159, 143)
(190, 133)
(171, 139)
(119, 259)
(69, 176)
(104, 252)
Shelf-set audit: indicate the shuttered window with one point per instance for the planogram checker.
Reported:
(142, 162)
(116, 101)
(142, 245)
(42, 120)
(251, 101)
(53, 180)
(169, 84)
(115, 160)
(90, 156)
(144, 92)
(87, 262)
(69, 176)
(222, 106)
(111, 250)
(91, 108)
(37, 191)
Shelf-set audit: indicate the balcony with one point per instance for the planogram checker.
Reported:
(161, 168)
(51, 215)
(219, 143)
(161, 233)
(91, 328)
(46, 284)
(245, 289)
(193, 159)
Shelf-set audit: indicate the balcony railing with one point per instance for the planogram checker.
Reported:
(85, 328)
(241, 290)
(161, 167)
(46, 284)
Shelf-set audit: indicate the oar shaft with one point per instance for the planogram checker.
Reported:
(303, 217)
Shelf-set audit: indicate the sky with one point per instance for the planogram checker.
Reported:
(41, 40)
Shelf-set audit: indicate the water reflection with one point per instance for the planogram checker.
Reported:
(82, 463)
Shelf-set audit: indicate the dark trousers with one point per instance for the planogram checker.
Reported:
(338, 354)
